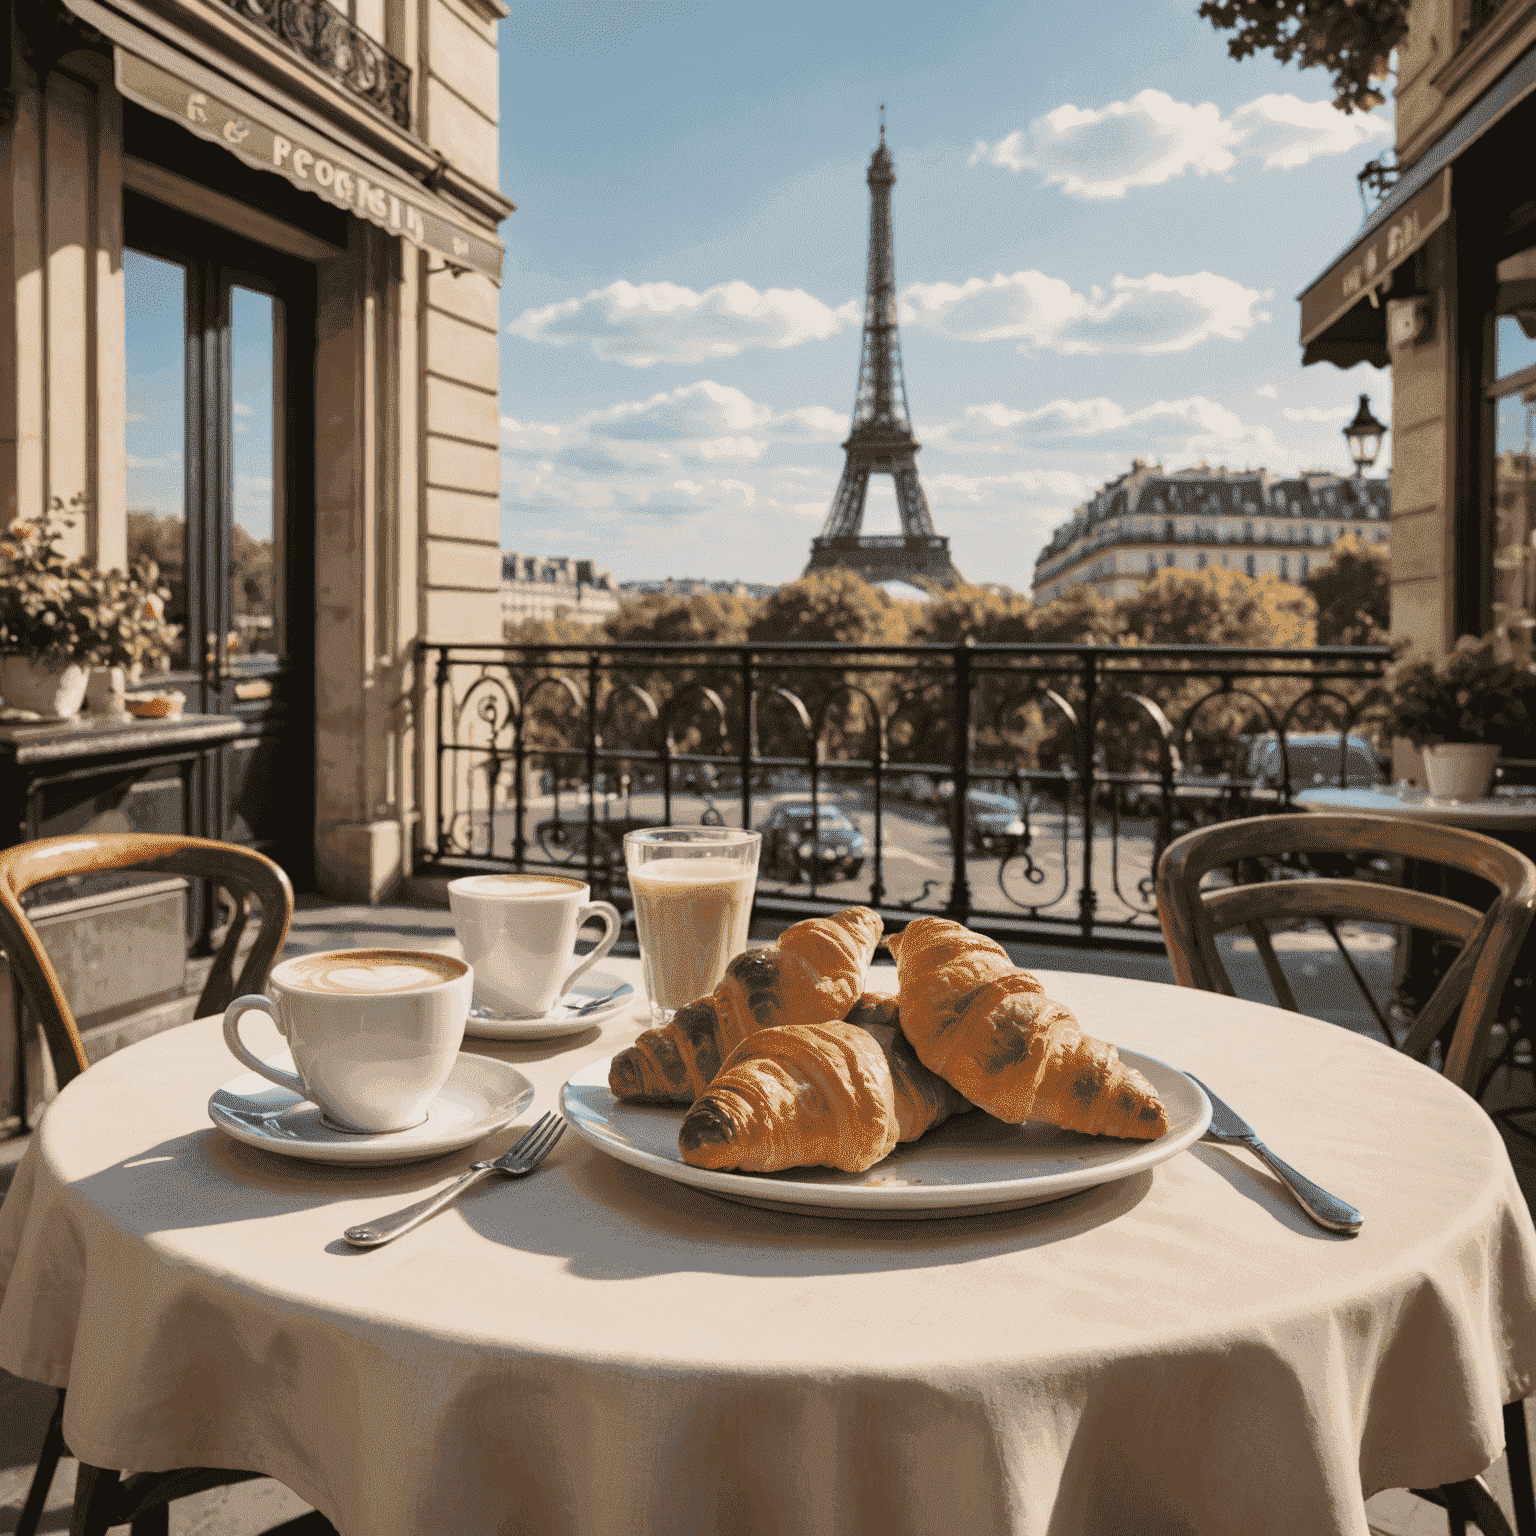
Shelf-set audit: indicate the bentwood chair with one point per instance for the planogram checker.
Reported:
(104, 1497)
(1264, 859)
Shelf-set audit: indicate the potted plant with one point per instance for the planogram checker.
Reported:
(1462, 709)
(61, 617)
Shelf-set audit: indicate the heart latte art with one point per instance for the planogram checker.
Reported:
(361, 972)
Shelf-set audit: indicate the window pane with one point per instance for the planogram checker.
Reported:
(1515, 349)
(154, 346)
(1514, 491)
(1515, 326)
(255, 615)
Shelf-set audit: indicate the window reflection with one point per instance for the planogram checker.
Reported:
(1514, 337)
(1514, 507)
(154, 348)
(255, 554)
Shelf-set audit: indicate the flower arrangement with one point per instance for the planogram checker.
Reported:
(59, 611)
(1480, 693)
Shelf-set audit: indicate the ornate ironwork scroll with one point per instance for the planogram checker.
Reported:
(320, 33)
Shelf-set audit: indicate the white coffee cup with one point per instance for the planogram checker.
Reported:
(519, 934)
(374, 1032)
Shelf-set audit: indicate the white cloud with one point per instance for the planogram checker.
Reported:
(1268, 391)
(1192, 425)
(1284, 131)
(1318, 413)
(1055, 484)
(666, 323)
(241, 408)
(700, 422)
(1146, 315)
(1151, 139)
(662, 322)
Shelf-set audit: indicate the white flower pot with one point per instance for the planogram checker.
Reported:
(1459, 770)
(46, 689)
(104, 692)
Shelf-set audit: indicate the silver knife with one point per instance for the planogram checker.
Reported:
(1325, 1209)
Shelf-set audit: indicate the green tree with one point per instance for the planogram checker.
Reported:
(1353, 594)
(707, 616)
(1209, 607)
(1217, 607)
(1352, 39)
(831, 606)
(164, 540)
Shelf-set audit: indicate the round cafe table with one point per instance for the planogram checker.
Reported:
(1497, 815)
(1423, 960)
(598, 1350)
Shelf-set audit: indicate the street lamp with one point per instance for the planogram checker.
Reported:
(1364, 435)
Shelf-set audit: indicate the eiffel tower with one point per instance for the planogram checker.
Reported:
(881, 440)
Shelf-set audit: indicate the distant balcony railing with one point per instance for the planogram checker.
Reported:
(1024, 788)
(1286, 536)
(320, 33)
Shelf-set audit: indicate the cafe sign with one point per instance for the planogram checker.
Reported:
(311, 163)
(1365, 270)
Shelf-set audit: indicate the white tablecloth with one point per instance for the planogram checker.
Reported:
(596, 1350)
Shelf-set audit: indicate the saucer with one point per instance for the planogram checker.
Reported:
(480, 1096)
(486, 1024)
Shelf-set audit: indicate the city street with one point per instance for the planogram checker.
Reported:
(1041, 876)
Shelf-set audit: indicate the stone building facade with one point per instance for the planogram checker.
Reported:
(547, 587)
(1439, 285)
(1246, 520)
(249, 269)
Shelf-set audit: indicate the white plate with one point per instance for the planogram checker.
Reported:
(970, 1164)
(484, 1024)
(480, 1096)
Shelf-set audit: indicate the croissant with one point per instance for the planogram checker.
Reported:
(792, 1096)
(923, 1098)
(814, 971)
(987, 1028)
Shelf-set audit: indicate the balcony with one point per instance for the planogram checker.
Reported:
(318, 32)
(1026, 789)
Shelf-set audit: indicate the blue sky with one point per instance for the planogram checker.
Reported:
(1101, 225)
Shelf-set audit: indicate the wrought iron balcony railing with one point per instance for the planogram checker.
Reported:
(1026, 788)
(320, 33)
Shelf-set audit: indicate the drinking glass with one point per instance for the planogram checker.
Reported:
(692, 889)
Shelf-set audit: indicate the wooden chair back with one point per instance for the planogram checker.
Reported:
(1192, 917)
(240, 871)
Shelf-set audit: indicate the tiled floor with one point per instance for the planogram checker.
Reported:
(262, 1506)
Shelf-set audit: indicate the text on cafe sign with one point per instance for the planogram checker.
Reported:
(306, 165)
(1366, 267)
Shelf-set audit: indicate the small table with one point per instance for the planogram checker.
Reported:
(1497, 815)
(1511, 819)
(596, 1349)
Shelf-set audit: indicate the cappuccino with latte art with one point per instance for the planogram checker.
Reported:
(374, 1032)
(367, 971)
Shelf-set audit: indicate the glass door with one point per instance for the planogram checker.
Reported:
(220, 350)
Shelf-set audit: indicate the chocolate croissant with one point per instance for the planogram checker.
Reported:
(923, 1098)
(987, 1029)
(814, 971)
(793, 1096)
(798, 1095)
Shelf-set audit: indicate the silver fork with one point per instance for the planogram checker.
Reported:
(531, 1150)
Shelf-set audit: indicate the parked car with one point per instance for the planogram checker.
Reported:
(1314, 759)
(788, 851)
(993, 821)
